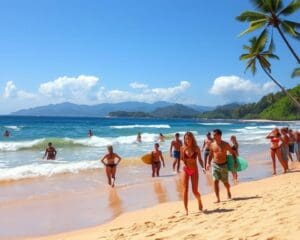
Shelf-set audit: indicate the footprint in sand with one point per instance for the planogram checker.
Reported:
(115, 229)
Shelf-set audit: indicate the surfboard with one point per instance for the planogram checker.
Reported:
(242, 163)
(147, 158)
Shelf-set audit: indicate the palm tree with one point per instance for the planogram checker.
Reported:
(269, 14)
(296, 73)
(257, 53)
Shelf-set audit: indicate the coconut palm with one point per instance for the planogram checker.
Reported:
(296, 73)
(270, 13)
(257, 53)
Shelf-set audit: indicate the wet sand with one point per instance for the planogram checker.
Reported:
(262, 209)
(67, 202)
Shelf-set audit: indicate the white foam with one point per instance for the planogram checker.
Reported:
(215, 123)
(45, 169)
(142, 126)
(14, 146)
(16, 128)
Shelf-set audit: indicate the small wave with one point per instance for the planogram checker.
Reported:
(71, 142)
(16, 128)
(46, 169)
(268, 127)
(215, 123)
(14, 146)
(142, 126)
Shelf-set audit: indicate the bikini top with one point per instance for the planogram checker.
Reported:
(275, 139)
(194, 155)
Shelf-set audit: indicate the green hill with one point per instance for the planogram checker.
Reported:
(272, 106)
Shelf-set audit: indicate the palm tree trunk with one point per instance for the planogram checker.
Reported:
(282, 88)
(288, 44)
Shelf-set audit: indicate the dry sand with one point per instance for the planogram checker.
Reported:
(264, 209)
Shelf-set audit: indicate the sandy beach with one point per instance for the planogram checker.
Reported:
(263, 209)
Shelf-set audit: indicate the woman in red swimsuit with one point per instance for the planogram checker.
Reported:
(189, 153)
(275, 149)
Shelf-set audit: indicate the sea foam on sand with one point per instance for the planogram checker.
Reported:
(263, 209)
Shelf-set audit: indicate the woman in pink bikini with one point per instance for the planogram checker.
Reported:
(275, 149)
(189, 153)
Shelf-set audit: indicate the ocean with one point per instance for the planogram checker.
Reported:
(21, 154)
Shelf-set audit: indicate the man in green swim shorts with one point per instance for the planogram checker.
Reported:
(218, 151)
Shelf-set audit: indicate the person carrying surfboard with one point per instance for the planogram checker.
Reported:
(156, 160)
(189, 153)
(235, 148)
(218, 151)
(110, 165)
(175, 151)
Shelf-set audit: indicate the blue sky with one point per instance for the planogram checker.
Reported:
(98, 51)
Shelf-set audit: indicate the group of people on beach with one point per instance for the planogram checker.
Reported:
(188, 151)
(284, 143)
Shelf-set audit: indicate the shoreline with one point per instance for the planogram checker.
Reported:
(273, 200)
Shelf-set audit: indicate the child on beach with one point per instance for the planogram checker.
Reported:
(175, 151)
(156, 158)
(275, 149)
(235, 147)
(189, 153)
(110, 165)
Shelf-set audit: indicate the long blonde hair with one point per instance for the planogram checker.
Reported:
(194, 142)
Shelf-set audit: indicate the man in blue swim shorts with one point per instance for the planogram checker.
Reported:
(175, 151)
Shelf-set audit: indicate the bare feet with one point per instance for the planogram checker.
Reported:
(200, 205)
(229, 195)
(218, 201)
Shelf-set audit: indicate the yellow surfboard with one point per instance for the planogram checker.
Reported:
(147, 158)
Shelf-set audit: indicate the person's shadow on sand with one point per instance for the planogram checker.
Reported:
(245, 198)
(218, 210)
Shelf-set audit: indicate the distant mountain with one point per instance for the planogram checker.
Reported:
(99, 110)
(171, 111)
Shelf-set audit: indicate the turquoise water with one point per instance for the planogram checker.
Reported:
(21, 153)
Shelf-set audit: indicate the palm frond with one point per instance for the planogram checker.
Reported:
(274, 5)
(296, 73)
(246, 56)
(260, 43)
(260, 5)
(251, 64)
(254, 26)
(267, 54)
(245, 47)
(251, 16)
(291, 8)
(289, 28)
(271, 47)
(265, 63)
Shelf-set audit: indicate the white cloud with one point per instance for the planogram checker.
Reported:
(68, 87)
(10, 87)
(136, 85)
(25, 95)
(234, 88)
(146, 94)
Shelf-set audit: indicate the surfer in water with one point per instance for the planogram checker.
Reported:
(50, 152)
(175, 151)
(218, 151)
(90, 133)
(6, 133)
(139, 138)
(156, 160)
(189, 153)
(108, 161)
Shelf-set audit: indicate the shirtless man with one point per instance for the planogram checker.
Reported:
(50, 152)
(156, 158)
(206, 147)
(218, 151)
(175, 151)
